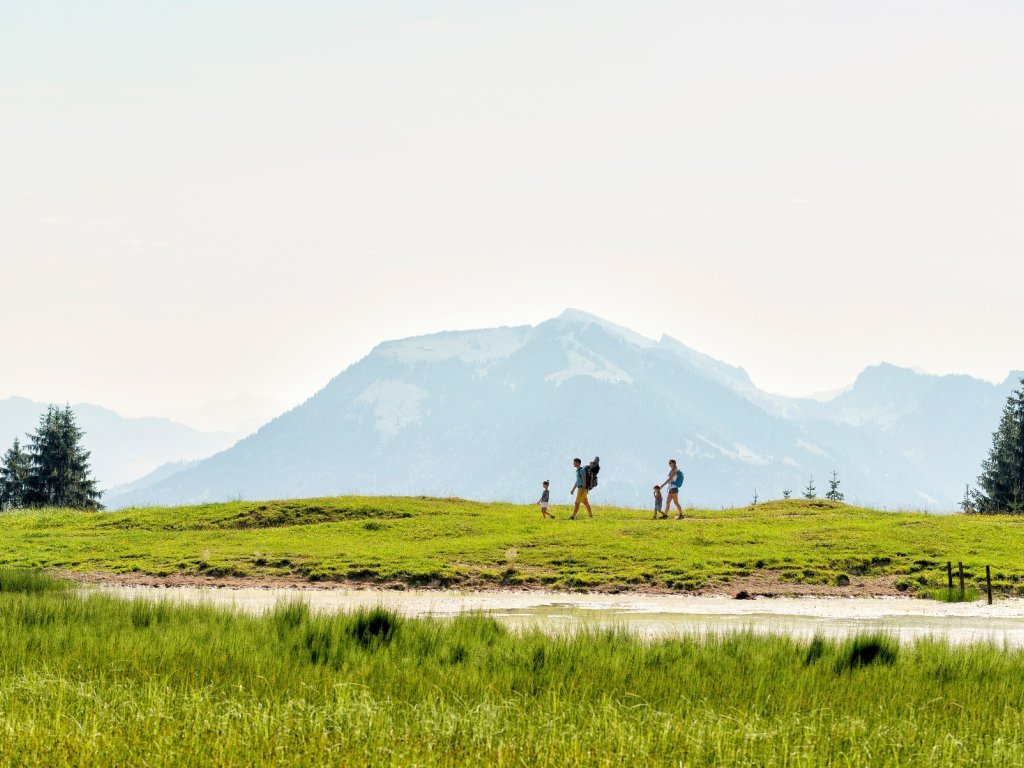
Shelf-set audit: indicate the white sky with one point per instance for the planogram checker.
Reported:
(203, 199)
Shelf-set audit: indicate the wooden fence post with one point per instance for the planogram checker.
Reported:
(961, 579)
(988, 582)
(949, 574)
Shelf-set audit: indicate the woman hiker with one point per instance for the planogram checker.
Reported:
(674, 483)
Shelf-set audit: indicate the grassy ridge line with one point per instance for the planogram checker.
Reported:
(99, 681)
(422, 541)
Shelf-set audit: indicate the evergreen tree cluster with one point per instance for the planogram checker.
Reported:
(811, 491)
(52, 470)
(1001, 485)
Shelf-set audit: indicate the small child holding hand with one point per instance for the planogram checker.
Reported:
(657, 504)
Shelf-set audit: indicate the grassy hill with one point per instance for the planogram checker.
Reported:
(450, 542)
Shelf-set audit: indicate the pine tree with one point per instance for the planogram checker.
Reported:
(60, 466)
(834, 494)
(1002, 473)
(967, 502)
(754, 504)
(787, 493)
(810, 492)
(15, 475)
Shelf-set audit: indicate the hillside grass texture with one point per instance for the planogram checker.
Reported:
(451, 542)
(95, 680)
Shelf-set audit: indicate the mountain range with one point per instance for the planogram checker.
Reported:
(489, 414)
(123, 449)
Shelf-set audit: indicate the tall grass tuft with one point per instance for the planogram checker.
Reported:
(28, 581)
(865, 650)
(289, 615)
(373, 627)
(944, 595)
(815, 651)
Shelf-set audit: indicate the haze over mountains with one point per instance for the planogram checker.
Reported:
(489, 414)
(238, 416)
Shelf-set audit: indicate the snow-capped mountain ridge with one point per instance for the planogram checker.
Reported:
(489, 413)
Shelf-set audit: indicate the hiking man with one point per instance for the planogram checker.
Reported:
(674, 483)
(580, 489)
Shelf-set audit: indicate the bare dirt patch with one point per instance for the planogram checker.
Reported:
(223, 582)
(769, 584)
(760, 584)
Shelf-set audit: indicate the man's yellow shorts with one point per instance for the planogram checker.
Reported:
(581, 495)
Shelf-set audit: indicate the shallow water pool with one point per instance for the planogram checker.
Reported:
(647, 615)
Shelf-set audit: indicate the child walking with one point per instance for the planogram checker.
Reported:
(657, 504)
(544, 497)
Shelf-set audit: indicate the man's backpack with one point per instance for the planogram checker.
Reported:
(590, 477)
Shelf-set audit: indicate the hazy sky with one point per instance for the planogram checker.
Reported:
(204, 199)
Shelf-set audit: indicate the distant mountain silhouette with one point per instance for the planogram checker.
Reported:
(123, 449)
(489, 414)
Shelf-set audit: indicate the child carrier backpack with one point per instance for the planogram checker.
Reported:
(593, 468)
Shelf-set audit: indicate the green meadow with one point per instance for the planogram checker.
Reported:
(95, 680)
(450, 542)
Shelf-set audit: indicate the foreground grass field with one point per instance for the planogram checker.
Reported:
(440, 542)
(97, 681)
